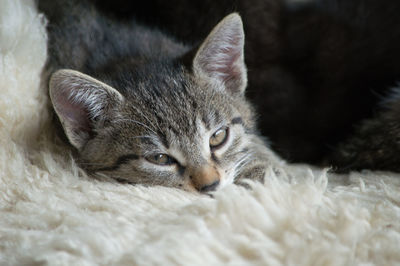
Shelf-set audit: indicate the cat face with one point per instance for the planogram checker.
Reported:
(159, 122)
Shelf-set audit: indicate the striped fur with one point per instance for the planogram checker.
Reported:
(134, 102)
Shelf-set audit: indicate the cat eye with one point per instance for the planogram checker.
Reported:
(219, 138)
(161, 159)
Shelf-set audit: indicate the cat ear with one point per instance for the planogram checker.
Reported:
(81, 103)
(221, 55)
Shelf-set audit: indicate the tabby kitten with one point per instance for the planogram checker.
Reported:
(140, 107)
(318, 69)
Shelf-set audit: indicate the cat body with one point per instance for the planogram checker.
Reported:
(320, 72)
(141, 107)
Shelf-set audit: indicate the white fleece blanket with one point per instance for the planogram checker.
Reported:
(52, 214)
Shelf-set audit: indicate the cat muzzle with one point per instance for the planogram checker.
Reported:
(205, 179)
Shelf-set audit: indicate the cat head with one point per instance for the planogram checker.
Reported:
(160, 122)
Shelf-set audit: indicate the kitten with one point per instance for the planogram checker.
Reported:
(375, 143)
(317, 70)
(141, 107)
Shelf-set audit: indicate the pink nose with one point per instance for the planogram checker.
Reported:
(205, 179)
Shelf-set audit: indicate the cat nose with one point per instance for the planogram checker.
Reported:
(210, 187)
(205, 179)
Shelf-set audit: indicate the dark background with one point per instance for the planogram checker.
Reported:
(315, 70)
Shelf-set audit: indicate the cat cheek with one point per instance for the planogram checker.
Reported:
(227, 177)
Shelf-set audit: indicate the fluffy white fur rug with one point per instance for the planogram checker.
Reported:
(52, 214)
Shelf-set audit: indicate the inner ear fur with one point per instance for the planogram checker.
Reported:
(81, 103)
(221, 56)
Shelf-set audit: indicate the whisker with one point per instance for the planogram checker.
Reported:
(142, 137)
(242, 162)
(137, 122)
(145, 117)
(91, 164)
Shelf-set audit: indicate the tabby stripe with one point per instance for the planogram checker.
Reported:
(217, 117)
(237, 120)
(163, 139)
(214, 158)
(206, 122)
(121, 160)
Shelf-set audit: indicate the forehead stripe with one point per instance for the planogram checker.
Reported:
(237, 120)
(206, 122)
(163, 138)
